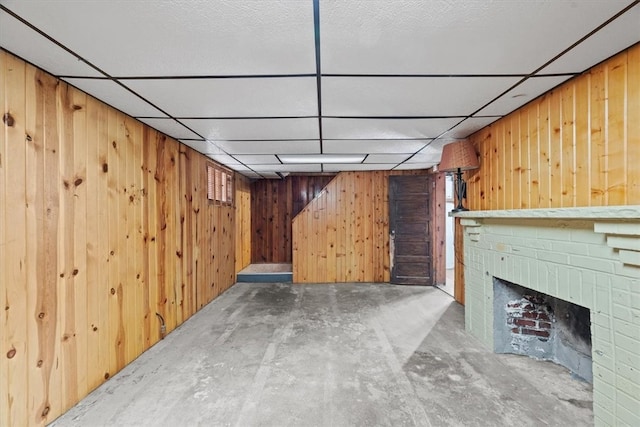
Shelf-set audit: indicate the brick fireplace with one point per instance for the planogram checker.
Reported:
(586, 256)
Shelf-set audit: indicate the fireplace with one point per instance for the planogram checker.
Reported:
(588, 257)
(538, 325)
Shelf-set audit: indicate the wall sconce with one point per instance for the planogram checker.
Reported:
(457, 157)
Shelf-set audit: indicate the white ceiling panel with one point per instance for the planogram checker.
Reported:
(620, 34)
(258, 129)
(267, 147)
(333, 167)
(413, 166)
(258, 159)
(406, 96)
(428, 158)
(115, 95)
(521, 94)
(386, 158)
(170, 127)
(380, 36)
(385, 128)
(30, 45)
(225, 159)
(204, 147)
(310, 167)
(141, 38)
(469, 126)
(374, 146)
(231, 97)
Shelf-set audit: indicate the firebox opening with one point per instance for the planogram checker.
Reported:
(538, 325)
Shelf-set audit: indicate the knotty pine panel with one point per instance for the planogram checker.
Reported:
(343, 234)
(242, 204)
(577, 145)
(104, 222)
(274, 203)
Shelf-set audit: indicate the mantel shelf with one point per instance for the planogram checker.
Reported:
(630, 212)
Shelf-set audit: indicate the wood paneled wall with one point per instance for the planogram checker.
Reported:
(343, 234)
(104, 222)
(274, 203)
(577, 145)
(242, 204)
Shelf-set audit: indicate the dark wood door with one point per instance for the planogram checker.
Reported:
(410, 228)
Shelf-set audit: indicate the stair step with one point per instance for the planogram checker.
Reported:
(283, 277)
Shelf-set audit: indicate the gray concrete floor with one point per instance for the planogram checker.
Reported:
(332, 355)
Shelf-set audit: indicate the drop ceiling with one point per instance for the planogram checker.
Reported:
(385, 83)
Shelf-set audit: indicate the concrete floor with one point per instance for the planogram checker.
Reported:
(332, 355)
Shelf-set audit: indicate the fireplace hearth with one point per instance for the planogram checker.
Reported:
(588, 257)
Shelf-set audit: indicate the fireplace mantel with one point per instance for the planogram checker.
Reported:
(589, 256)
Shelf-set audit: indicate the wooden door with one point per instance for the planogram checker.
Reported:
(410, 228)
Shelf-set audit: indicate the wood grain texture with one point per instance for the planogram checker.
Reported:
(577, 145)
(242, 203)
(343, 234)
(574, 146)
(104, 222)
(274, 203)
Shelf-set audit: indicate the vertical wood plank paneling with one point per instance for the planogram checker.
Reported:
(348, 225)
(15, 308)
(617, 130)
(633, 130)
(574, 146)
(90, 242)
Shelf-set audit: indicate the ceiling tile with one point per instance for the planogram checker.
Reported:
(258, 129)
(30, 45)
(618, 35)
(171, 128)
(170, 37)
(387, 146)
(413, 166)
(310, 168)
(224, 159)
(409, 96)
(469, 126)
(521, 94)
(426, 158)
(269, 147)
(332, 167)
(257, 97)
(204, 147)
(258, 159)
(453, 36)
(386, 158)
(115, 95)
(385, 128)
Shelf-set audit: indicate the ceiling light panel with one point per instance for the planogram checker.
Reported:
(618, 35)
(452, 36)
(30, 45)
(386, 158)
(409, 96)
(268, 147)
(171, 128)
(357, 167)
(115, 95)
(258, 129)
(170, 37)
(258, 159)
(257, 97)
(308, 168)
(521, 94)
(322, 158)
(389, 146)
(385, 128)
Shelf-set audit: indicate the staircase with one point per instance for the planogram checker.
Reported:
(266, 273)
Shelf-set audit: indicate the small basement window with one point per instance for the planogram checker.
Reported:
(219, 184)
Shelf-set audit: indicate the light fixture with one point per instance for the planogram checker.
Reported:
(457, 157)
(321, 158)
